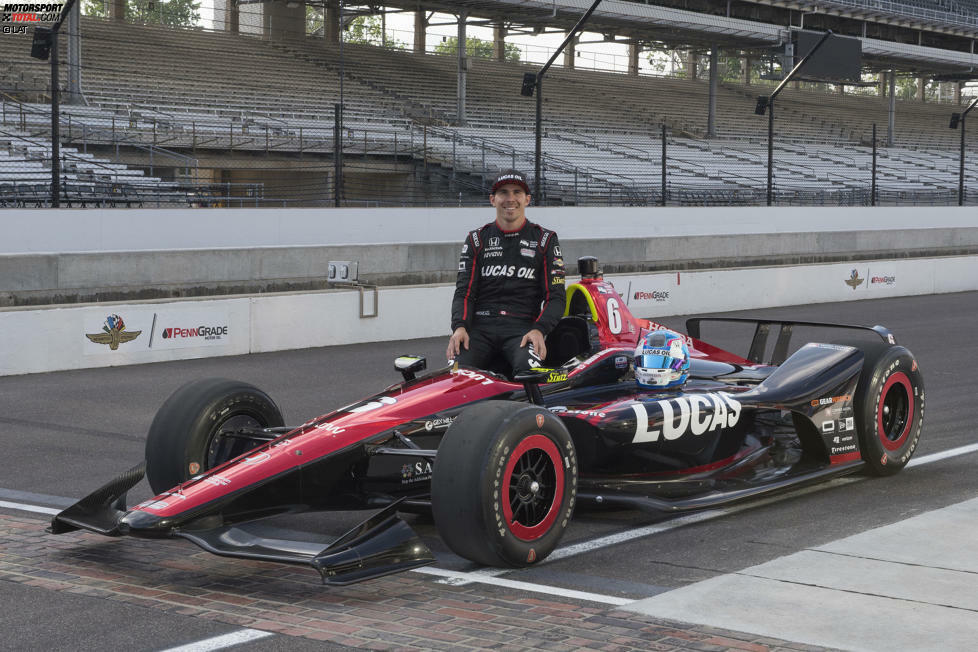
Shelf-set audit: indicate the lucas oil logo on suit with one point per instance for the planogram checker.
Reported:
(509, 270)
(697, 414)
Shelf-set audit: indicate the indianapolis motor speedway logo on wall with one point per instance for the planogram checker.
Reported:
(113, 333)
(16, 17)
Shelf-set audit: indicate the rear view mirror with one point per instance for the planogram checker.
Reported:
(409, 365)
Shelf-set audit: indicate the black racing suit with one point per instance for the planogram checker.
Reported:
(508, 283)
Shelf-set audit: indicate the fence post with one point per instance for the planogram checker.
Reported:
(872, 198)
(662, 200)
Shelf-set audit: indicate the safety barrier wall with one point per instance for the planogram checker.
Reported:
(102, 230)
(60, 337)
(294, 255)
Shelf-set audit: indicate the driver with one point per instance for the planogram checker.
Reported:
(510, 288)
(661, 360)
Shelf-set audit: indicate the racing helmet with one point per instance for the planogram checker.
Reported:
(661, 360)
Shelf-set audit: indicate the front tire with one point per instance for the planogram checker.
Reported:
(504, 484)
(186, 437)
(889, 405)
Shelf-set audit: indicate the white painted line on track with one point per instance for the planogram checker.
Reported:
(481, 578)
(221, 642)
(491, 575)
(30, 508)
(943, 455)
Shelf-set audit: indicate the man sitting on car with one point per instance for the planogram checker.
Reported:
(510, 288)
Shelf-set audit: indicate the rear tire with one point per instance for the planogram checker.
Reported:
(184, 439)
(889, 407)
(504, 483)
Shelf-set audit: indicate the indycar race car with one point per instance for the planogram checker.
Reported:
(501, 462)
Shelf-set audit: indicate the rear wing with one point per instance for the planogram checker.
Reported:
(786, 327)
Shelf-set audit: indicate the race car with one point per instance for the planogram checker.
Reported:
(501, 462)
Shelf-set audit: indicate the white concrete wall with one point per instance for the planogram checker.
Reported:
(53, 338)
(84, 230)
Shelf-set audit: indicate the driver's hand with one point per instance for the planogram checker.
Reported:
(458, 339)
(535, 338)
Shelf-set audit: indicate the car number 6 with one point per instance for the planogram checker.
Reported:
(614, 316)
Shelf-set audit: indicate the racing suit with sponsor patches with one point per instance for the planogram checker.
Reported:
(508, 283)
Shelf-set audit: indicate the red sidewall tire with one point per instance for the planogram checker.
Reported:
(504, 484)
(889, 404)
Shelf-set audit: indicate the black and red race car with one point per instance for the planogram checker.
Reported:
(501, 462)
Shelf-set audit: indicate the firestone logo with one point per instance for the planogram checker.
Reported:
(882, 280)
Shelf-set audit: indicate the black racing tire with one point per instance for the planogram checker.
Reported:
(184, 439)
(504, 484)
(889, 407)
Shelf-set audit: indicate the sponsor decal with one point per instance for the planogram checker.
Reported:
(493, 242)
(205, 332)
(531, 556)
(891, 339)
(529, 253)
(283, 443)
(697, 414)
(217, 480)
(882, 280)
(829, 401)
(846, 424)
(834, 347)
(913, 365)
(508, 271)
(837, 450)
(539, 421)
(558, 280)
(257, 459)
(113, 333)
(438, 423)
(651, 295)
(475, 239)
(492, 254)
(854, 281)
(474, 376)
(585, 413)
(557, 251)
(461, 265)
(465, 248)
(417, 472)
(558, 263)
(621, 362)
(828, 426)
(194, 468)
(373, 405)
(331, 427)
(555, 377)
(545, 239)
(483, 313)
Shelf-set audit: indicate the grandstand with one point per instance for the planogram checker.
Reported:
(232, 119)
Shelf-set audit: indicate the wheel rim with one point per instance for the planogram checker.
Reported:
(533, 488)
(222, 448)
(895, 411)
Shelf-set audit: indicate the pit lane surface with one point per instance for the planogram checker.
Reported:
(66, 433)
